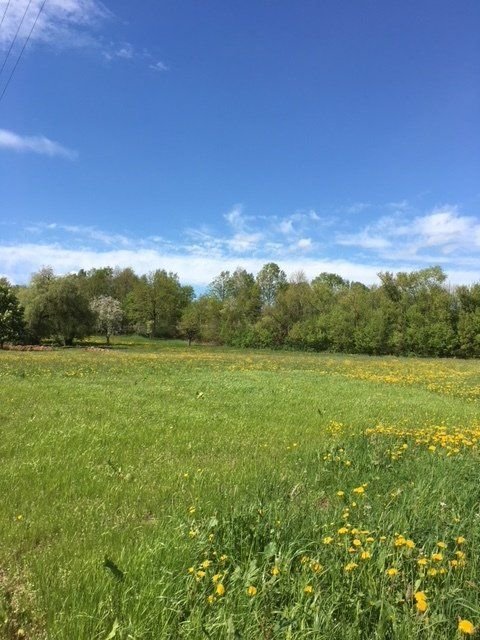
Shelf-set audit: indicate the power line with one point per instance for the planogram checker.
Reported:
(5, 12)
(23, 48)
(15, 36)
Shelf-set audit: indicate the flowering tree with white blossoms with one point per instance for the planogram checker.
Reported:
(109, 314)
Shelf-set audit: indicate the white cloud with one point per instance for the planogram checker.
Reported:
(19, 261)
(65, 24)
(441, 236)
(304, 243)
(34, 144)
(61, 23)
(159, 66)
(444, 230)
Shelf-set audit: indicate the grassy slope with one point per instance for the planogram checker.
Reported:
(107, 454)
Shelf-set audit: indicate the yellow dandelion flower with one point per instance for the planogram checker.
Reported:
(441, 545)
(211, 599)
(370, 539)
(359, 490)
(391, 572)
(342, 531)
(327, 540)
(351, 566)
(365, 555)
(216, 578)
(454, 564)
(437, 557)
(460, 540)
(191, 570)
(205, 564)
(316, 567)
(421, 606)
(422, 562)
(223, 558)
(420, 595)
(340, 494)
(432, 572)
(357, 542)
(200, 575)
(308, 589)
(251, 591)
(410, 544)
(466, 627)
(275, 571)
(220, 589)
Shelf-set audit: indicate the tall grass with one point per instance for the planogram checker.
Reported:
(137, 481)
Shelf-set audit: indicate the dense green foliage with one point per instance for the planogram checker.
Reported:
(405, 314)
(138, 480)
(12, 325)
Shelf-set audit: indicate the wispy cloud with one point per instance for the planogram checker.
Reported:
(396, 242)
(61, 23)
(159, 66)
(34, 144)
(443, 235)
(67, 24)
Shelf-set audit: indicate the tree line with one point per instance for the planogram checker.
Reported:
(412, 313)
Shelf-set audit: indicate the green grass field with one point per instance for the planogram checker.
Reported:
(157, 491)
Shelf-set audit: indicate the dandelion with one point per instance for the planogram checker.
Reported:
(422, 562)
(216, 578)
(223, 558)
(357, 542)
(327, 540)
(308, 590)
(460, 540)
(275, 571)
(193, 533)
(391, 572)
(191, 570)
(365, 555)
(340, 494)
(410, 544)
(359, 490)
(432, 572)
(437, 557)
(420, 595)
(211, 599)
(251, 591)
(200, 575)
(316, 567)
(421, 606)
(350, 566)
(441, 545)
(220, 589)
(205, 564)
(342, 531)
(466, 627)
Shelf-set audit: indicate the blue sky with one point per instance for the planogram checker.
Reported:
(197, 136)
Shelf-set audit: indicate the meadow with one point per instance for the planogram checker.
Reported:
(156, 491)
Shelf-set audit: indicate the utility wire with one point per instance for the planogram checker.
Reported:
(23, 48)
(15, 36)
(5, 12)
